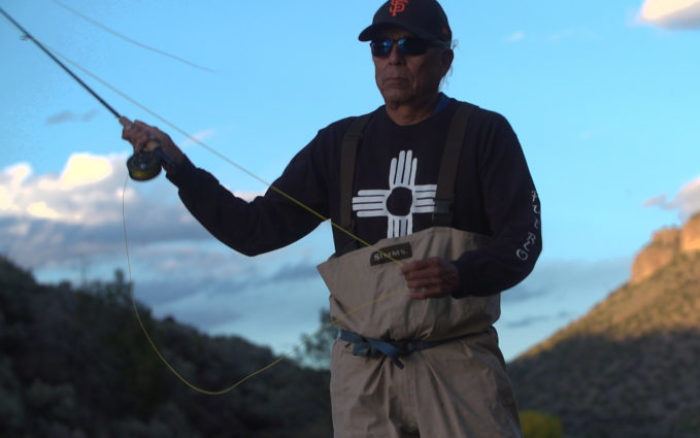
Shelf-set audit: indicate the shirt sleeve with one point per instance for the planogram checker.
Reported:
(290, 209)
(512, 208)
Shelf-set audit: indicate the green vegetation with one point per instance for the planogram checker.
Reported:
(540, 425)
(315, 350)
(628, 367)
(74, 363)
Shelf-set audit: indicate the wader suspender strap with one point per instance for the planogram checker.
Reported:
(441, 217)
(348, 154)
(446, 178)
(444, 197)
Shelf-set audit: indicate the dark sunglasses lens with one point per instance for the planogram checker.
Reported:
(413, 46)
(381, 48)
(406, 46)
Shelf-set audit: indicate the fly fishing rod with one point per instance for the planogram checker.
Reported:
(143, 165)
(147, 164)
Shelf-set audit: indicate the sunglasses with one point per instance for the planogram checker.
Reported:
(406, 46)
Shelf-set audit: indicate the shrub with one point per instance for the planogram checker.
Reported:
(540, 425)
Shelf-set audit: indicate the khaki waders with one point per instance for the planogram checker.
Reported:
(413, 368)
(457, 388)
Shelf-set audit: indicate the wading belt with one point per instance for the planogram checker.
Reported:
(442, 216)
(375, 348)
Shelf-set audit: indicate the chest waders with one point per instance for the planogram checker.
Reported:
(454, 381)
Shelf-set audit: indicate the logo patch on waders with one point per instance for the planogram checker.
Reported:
(391, 254)
(369, 295)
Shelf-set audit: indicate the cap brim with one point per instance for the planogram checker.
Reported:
(371, 31)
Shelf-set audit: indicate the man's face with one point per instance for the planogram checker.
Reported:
(409, 79)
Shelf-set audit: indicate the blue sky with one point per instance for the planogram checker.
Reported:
(603, 96)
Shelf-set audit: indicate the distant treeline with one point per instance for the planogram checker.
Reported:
(74, 363)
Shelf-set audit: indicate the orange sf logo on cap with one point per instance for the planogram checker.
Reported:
(397, 6)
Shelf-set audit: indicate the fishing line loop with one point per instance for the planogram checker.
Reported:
(272, 187)
(150, 340)
(148, 336)
(244, 379)
(131, 40)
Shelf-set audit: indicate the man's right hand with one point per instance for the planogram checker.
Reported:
(144, 137)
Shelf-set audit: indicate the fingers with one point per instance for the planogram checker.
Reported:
(140, 135)
(132, 133)
(430, 278)
(421, 272)
(144, 137)
(425, 292)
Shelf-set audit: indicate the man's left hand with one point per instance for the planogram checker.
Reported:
(430, 278)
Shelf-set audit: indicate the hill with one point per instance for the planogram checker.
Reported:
(628, 368)
(74, 363)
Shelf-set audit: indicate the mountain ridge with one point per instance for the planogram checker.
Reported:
(75, 364)
(665, 245)
(629, 366)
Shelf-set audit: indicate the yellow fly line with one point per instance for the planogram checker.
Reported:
(272, 187)
(244, 379)
(232, 163)
(283, 356)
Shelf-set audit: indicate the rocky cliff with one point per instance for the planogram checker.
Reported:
(666, 245)
(629, 367)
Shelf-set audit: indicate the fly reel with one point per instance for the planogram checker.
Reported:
(145, 165)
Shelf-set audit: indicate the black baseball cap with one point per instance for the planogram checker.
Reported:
(423, 18)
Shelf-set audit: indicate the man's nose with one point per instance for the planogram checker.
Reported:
(395, 57)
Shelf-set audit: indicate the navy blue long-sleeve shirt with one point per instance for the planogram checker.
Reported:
(395, 177)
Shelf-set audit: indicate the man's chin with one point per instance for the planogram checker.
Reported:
(395, 97)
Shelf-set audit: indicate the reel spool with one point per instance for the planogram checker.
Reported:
(145, 165)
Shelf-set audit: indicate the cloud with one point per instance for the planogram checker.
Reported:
(197, 138)
(686, 201)
(41, 210)
(69, 116)
(671, 14)
(69, 225)
(587, 135)
(214, 270)
(59, 221)
(295, 272)
(526, 291)
(515, 37)
(54, 219)
(656, 200)
(84, 169)
(531, 320)
(86, 117)
(85, 192)
(551, 279)
(270, 299)
(579, 33)
(556, 293)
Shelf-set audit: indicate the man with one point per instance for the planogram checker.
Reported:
(441, 193)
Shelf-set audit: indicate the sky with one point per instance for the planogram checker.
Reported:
(604, 97)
